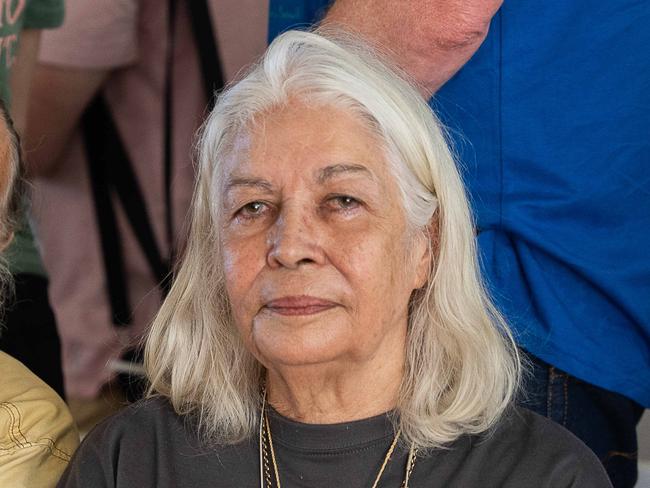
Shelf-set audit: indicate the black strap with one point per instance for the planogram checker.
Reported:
(97, 155)
(168, 130)
(206, 42)
(111, 172)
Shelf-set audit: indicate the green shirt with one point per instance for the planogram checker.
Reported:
(23, 255)
(15, 16)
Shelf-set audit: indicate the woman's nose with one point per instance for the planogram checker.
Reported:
(294, 240)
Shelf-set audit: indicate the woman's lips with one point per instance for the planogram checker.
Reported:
(299, 305)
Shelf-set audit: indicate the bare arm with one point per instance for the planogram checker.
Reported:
(21, 76)
(58, 98)
(430, 39)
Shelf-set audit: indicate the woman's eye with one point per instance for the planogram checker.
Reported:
(344, 202)
(252, 210)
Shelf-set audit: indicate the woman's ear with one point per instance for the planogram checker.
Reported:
(426, 251)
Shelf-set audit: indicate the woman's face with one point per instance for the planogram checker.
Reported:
(319, 267)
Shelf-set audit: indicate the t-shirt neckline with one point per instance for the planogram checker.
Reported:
(329, 437)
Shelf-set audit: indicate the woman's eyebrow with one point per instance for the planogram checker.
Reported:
(324, 174)
(248, 182)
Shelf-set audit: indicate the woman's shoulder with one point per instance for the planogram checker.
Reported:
(536, 448)
(523, 449)
(126, 446)
(529, 429)
(147, 444)
(138, 421)
(525, 426)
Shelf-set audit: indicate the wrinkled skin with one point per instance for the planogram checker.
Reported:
(319, 266)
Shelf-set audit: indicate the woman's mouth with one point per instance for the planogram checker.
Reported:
(299, 305)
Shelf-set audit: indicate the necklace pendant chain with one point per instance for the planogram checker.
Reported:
(266, 446)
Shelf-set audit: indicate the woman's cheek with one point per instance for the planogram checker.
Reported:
(241, 264)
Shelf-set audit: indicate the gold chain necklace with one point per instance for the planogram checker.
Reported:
(266, 446)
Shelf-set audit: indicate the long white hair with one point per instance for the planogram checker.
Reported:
(462, 367)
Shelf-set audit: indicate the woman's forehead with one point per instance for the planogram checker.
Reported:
(239, 179)
(322, 142)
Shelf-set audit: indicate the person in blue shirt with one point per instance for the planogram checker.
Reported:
(548, 105)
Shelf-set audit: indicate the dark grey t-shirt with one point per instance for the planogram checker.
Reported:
(149, 445)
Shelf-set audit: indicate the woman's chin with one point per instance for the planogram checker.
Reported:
(280, 346)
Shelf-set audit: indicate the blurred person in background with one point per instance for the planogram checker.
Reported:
(549, 107)
(30, 332)
(118, 93)
(37, 434)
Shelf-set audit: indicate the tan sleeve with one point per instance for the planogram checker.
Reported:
(37, 433)
(96, 34)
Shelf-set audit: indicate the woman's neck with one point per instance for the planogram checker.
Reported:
(318, 394)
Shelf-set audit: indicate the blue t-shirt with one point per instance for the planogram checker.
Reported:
(551, 119)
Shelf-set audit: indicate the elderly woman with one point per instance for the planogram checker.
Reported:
(327, 326)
